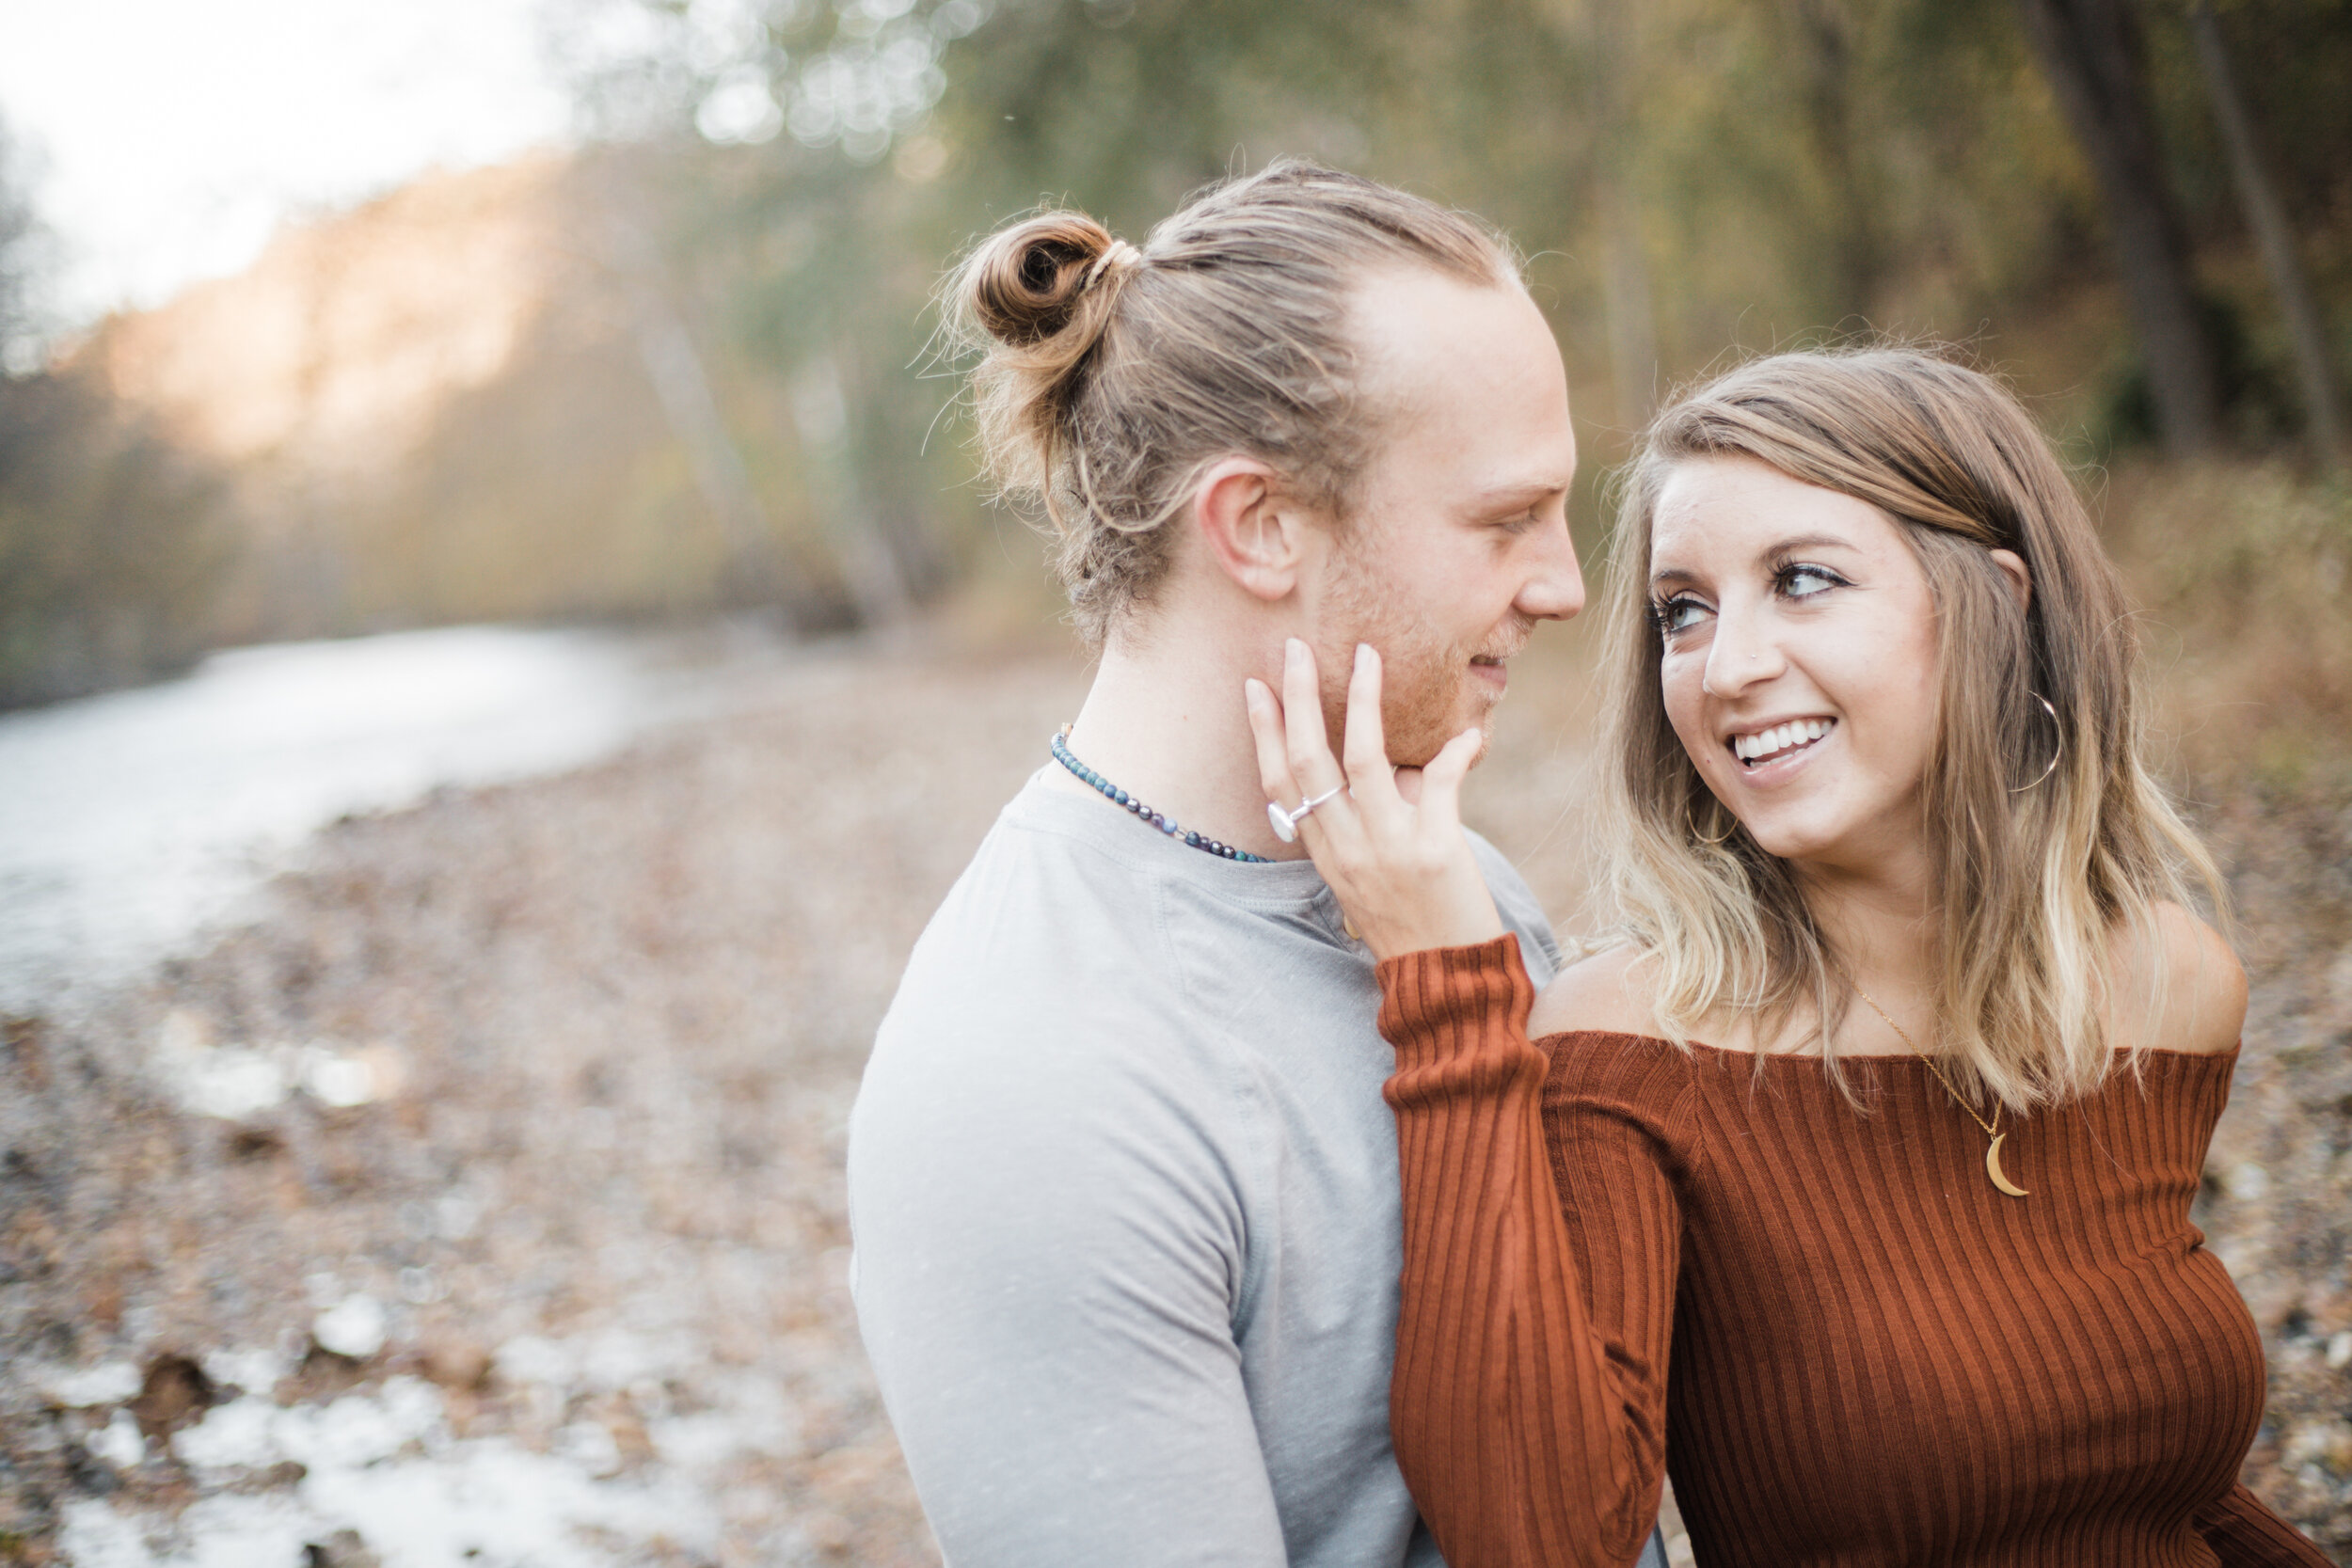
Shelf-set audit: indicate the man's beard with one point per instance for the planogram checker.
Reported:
(1427, 694)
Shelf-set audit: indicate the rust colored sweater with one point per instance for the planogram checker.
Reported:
(1621, 1259)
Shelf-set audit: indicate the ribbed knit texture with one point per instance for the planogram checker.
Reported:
(1876, 1358)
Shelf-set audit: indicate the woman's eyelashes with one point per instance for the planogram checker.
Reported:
(1804, 579)
(1678, 614)
(1792, 581)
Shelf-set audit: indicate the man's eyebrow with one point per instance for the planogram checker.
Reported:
(1515, 493)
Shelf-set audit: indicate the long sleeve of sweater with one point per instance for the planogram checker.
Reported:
(2245, 1533)
(1528, 1393)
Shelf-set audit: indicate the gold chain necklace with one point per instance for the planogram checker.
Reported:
(1991, 1128)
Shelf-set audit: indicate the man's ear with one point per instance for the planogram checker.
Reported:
(2012, 568)
(1256, 530)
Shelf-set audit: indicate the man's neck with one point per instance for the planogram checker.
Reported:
(1164, 722)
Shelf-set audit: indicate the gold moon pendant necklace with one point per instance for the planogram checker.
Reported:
(1991, 1128)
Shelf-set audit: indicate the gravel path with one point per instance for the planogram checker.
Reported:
(486, 1192)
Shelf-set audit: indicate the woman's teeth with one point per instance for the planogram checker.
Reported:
(1768, 744)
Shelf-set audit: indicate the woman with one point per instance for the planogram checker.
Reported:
(1853, 1185)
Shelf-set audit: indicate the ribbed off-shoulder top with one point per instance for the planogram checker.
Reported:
(1626, 1258)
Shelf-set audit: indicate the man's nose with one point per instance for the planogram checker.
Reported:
(1554, 589)
(1740, 653)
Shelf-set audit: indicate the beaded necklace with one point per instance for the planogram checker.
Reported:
(1113, 793)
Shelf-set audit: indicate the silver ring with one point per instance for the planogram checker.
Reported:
(1286, 822)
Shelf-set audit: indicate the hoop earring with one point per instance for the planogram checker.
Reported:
(2057, 734)
(1717, 841)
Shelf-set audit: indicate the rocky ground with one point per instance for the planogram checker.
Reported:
(481, 1199)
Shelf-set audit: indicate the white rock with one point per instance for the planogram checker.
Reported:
(2316, 1440)
(2241, 1255)
(354, 1327)
(528, 1359)
(256, 1371)
(590, 1445)
(184, 1033)
(120, 1444)
(231, 1085)
(2247, 1182)
(340, 1082)
(240, 1435)
(2340, 1352)
(700, 1441)
(108, 1383)
(360, 1430)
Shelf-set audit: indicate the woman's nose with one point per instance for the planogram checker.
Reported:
(1742, 653)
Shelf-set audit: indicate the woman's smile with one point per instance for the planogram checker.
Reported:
(1771, 751)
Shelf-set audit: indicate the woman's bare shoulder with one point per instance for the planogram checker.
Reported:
(1603, 994)
(2180, 987)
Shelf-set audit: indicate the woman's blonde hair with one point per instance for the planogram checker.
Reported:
(2032, 880)
(1109, 376)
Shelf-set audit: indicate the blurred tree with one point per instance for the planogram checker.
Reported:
(106, 544)
(2265, 214)
(20, 232)
(1687, 176)
(2094, 53)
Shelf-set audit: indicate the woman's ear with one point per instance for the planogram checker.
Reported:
(1255, 531)
(2012, 566)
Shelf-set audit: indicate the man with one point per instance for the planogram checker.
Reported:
(1123, 1185)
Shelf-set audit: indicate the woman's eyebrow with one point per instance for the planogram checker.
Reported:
(1770, 553)
(1804, 542)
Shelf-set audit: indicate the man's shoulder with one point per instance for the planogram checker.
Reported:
(1051, 964)
(1036, 920)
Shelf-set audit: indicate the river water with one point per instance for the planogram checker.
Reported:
(131, 820)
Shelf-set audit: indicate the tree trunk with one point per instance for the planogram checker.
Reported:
(1858, 252)
(1625, 264)
(820, 416)
(757, 567)
(2267, 217)
(2090, 51)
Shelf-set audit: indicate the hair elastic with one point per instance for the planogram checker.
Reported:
(1120, 254)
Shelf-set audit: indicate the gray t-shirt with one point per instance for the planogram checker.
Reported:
(1124, 1199)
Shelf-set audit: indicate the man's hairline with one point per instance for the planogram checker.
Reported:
(1341, 511)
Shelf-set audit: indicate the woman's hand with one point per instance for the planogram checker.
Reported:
(1391, 843)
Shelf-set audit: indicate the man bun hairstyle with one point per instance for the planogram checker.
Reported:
(1027, 281)
(1110, 376)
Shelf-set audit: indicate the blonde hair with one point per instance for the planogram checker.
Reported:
(2031, 880)
(1111, 378)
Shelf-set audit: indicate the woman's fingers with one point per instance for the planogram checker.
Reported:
(1370, 780)
(1440, 794)
(1265, 729)
(1313, 769)
(1403, 871)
